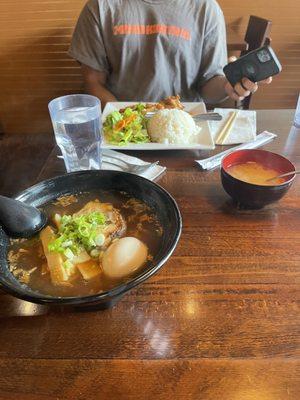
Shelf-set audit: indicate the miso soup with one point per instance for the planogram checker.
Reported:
(255, 173)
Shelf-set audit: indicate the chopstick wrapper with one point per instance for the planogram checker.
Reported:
(151, 173)
(215, 161)
(243, 130)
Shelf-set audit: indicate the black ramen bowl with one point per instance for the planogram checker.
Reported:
(44, 192)
(250, 195)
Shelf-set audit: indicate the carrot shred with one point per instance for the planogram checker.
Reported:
(129, 119)
(124, 122)
(120, 125)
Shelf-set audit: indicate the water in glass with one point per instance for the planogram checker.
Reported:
(77, 132)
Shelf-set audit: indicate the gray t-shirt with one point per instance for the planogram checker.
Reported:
(151, 49)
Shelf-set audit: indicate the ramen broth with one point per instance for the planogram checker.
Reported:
(255, 173)
(28, 262)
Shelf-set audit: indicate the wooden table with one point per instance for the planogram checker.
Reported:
(220, 321)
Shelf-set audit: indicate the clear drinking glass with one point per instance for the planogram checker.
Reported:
(77, 125)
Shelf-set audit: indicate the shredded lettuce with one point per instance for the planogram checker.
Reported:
(125, 127)
(78, 232)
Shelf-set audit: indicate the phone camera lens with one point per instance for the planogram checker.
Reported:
(263, 56)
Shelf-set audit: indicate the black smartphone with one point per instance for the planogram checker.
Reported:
(257, 65)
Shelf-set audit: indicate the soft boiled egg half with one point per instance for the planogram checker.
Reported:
(123, 257)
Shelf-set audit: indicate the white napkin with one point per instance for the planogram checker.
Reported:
(243, 129)
(216, 160)
(151, 173)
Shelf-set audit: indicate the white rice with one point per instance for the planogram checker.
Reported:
(173, 127)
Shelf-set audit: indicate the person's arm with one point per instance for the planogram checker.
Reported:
(88, 48)
(214, 87)
(218, 89)
(213, 91)
(94, 82)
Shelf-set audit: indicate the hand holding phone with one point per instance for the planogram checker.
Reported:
(242, 75)
(257, 65)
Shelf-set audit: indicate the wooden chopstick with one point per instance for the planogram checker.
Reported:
(223, 135)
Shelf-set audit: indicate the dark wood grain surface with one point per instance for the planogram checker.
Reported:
(219, 321)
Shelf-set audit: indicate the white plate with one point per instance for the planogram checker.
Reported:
(204, 138)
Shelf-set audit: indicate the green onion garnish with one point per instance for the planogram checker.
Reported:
(79, 232)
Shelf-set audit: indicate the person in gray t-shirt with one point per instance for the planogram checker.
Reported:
(146, 50)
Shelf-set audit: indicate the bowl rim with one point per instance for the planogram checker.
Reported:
(120, 289)
(255, 185)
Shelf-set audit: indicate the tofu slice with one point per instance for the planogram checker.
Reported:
(81, 257)
(95, 205)
(72, 272)
(116, 226)
(58, 273)
(89, 269)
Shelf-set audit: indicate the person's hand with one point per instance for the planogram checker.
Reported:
(244, 88)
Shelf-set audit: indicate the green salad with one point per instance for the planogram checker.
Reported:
(128, 126)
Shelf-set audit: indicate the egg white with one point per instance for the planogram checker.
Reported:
(123, 257)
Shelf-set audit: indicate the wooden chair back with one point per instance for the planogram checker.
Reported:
(257, 35)
(258, 31)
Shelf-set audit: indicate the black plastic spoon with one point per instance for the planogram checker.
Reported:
(19, 220)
